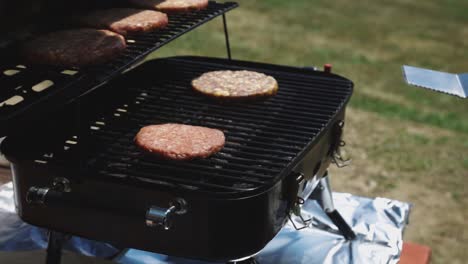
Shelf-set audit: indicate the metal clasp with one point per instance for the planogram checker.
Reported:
(340, 156)
(297, 211)
(163, 217)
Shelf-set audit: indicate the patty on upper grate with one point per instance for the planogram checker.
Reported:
(124, 20)
(76, 47)
(172, 6)
(180, 142)
(235, 84)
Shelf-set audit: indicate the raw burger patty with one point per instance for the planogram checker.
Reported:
(125, 20)
(172, 6)
(235, 84)
(77, 47)
(180, 142)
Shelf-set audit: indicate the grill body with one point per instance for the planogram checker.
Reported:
(237, 200)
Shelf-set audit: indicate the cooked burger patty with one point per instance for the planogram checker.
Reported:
(77, 47)
(125, 20)
(180, 142)
(235, 84)
(172, 6)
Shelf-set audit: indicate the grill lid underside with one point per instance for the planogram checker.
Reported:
(28, 92)
(264, 139)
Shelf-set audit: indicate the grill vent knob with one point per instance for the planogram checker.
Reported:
(163, 217)
(62, 184)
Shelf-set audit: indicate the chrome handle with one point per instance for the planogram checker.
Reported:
(37, 195)
(163, 217)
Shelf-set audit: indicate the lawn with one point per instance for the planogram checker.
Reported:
(406, 143)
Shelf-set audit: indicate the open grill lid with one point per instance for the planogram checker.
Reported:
(28, 92)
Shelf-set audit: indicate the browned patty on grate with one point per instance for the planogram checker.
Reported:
(180, 142)
(76, 47)
(235, 84)
(172, 6)
(124, 20)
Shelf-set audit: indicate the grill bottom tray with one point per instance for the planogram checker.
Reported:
(238, 199)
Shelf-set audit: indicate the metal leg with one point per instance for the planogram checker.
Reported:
(226, 35)
(325, 199)
(54, 247)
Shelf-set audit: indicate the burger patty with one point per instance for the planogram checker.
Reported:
(235, 84)
(74, 48)
(125, 20)
(172, 6)
(180, 142)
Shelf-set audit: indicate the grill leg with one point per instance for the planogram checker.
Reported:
(54, 248)
(325, 199)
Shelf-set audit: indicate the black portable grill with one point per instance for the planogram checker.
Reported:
(80, 173)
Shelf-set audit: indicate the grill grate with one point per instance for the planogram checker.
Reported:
(264, 139)
(22, 93)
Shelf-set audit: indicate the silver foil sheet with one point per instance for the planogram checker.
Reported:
(378, 223)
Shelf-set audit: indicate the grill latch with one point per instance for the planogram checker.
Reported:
(163, 217)
(339, 155)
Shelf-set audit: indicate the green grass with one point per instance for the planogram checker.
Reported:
(367, 41)
(443, 119)
(409, 143)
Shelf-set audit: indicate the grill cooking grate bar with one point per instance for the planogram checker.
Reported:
(265, 139)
